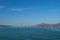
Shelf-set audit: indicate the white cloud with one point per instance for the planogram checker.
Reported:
(20, 9)
(53, 10)
(15, 9)
(2, 7)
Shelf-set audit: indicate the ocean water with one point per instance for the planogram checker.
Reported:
(25, 33)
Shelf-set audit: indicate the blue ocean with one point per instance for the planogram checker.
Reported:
(29, 33)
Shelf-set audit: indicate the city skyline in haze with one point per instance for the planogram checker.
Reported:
(29, 12)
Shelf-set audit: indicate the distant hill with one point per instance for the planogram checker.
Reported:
(48, 25)
(5, 26)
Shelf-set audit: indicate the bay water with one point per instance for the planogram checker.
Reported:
(29, 33)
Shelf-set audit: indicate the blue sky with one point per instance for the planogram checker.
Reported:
(29, 12)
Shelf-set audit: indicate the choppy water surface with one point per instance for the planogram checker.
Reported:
(29, 33)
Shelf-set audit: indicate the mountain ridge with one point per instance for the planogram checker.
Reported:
(48, 25)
